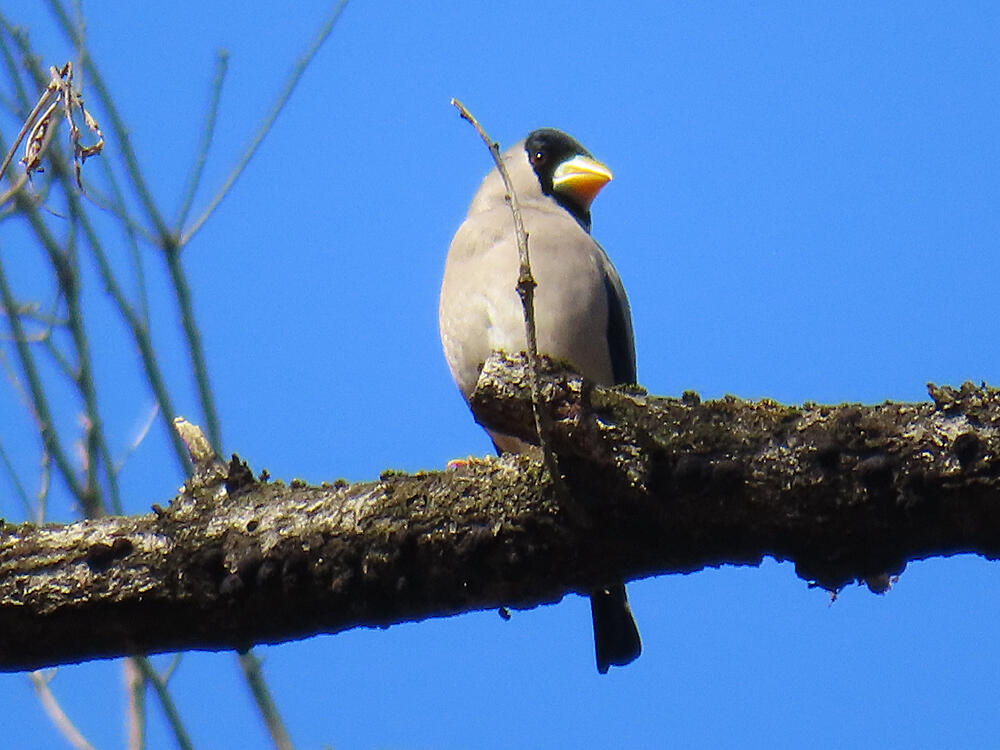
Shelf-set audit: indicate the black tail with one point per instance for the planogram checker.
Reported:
(616, 638)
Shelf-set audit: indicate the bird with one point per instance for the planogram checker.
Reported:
(581, 312)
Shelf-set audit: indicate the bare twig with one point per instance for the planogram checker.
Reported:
(13, 69)
(250, 665)
(173, 247)
(55, 712)
(64, 365)
(21, 93)
(167, 238)
(132, 230)
(32, 338)
(135, 702)
(166, 700)
(121, 132)
(44, 485)
(173, 250)
(136, 324)
(15, 480)
(138, 329)
(526, 291)
(39, 400)
(207, 131)
(297, 70)
(67, 271)
(175, 662)
(32, 311)
(60, 90)
(31, 122)
(116, 207)
(196, 350)
(15, 382)
(15, 186)
(140, 436)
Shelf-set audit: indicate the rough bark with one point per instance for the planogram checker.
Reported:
(662, 485)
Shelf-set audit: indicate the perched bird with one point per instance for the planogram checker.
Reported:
(581, 312)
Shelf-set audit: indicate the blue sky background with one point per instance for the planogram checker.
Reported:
(806, 206)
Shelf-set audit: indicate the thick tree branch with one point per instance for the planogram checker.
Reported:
(846, 492)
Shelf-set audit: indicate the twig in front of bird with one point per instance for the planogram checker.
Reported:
(526, 291)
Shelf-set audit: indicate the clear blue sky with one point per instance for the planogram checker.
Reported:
(806, 206)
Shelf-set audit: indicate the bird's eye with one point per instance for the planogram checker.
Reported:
(538, 157)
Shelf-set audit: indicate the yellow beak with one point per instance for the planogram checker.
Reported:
(581, 177)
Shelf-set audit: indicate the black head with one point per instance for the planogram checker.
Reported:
(547, 149)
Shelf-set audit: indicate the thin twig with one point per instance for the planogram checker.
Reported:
(165, 239)
(9, 104)
(66, 268)
(175, 662)
(173, 251)
(293, 79)
(67, 277)
(13, 69)
(64, 365)
(132, 230)
(526, 291)
(29, 122)
(116, 207)
(196, 350)
(174, 264)
(56, 714)
(122, 137)
(134, 444)
(31, 311)
(207, 131)
(67, 274)
(33, 338)
(19, 489)
(169, 707)
(135, 703)
(140, 333)
(15, 382)
(39, 401)
(250, 665)
(44, 485)
(38, 513)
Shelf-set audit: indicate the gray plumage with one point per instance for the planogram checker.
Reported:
(581, 311)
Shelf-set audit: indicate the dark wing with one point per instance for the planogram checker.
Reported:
(621, 342)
